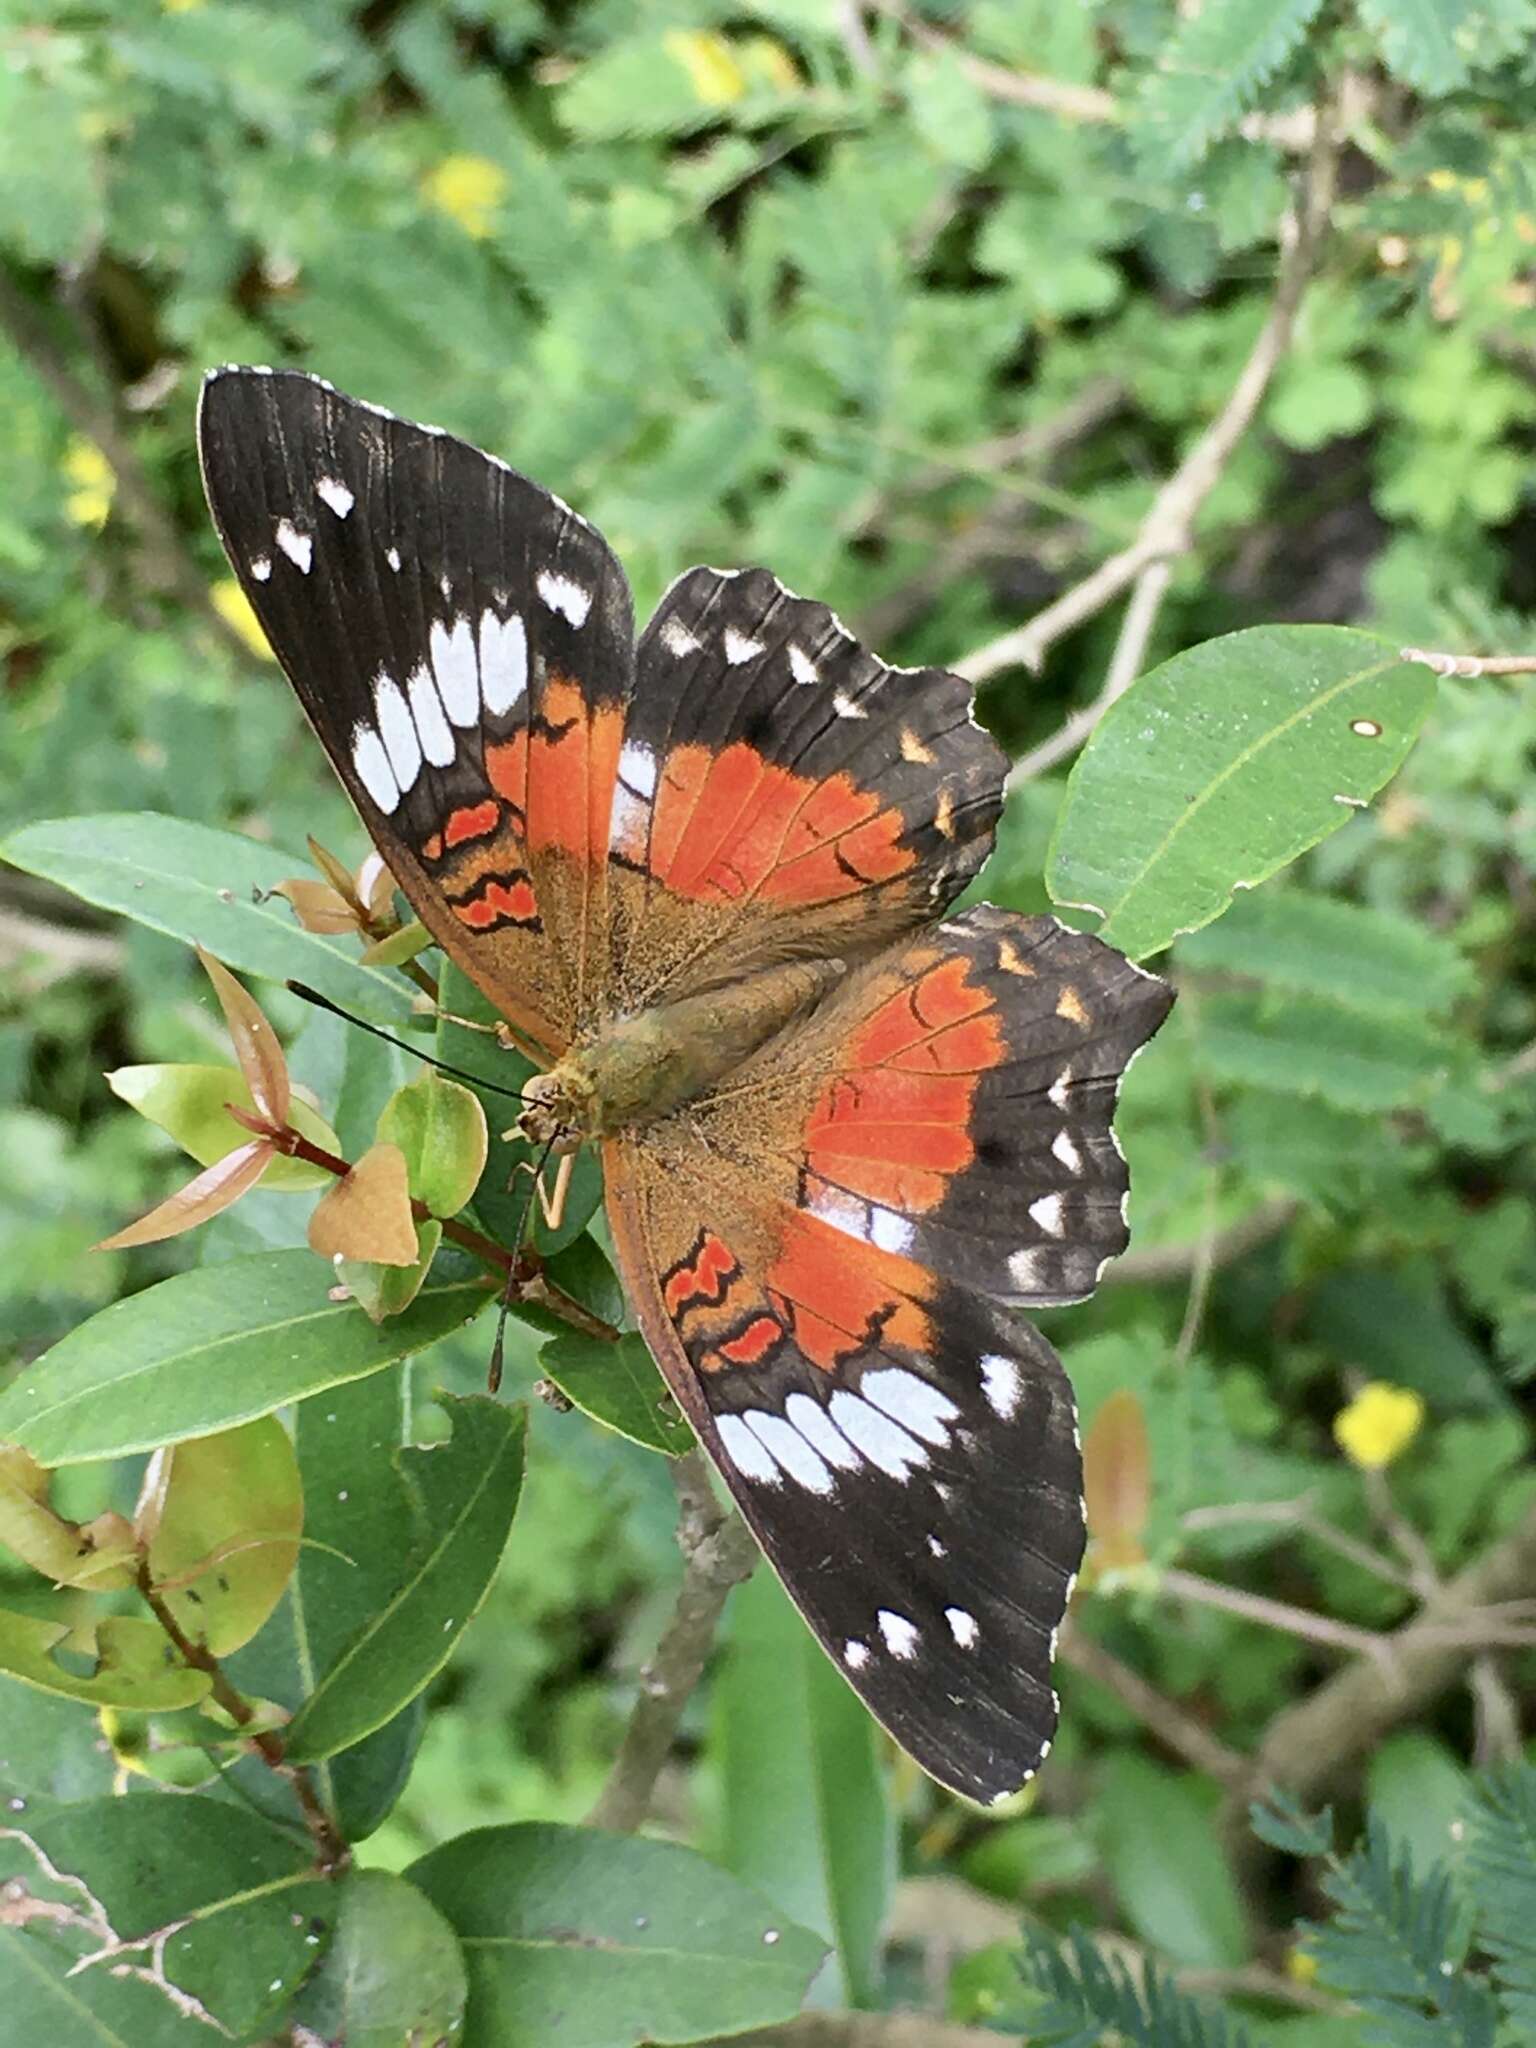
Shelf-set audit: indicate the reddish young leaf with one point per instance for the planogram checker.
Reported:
(1117, 1479)
(255, 1042)
(335, 873)
(368, 1214)
(317, 905)
(213, 1190)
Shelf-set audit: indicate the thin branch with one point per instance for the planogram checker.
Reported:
(1472, 664)
(1018, 88)
(718, 1553)
(1349, 1715)
(1165, 1719)
(866, 2030)
(1167, 531)
(1296, 1514)
(1167, 1262)
(1276, 1614)
(96, 420)
(330, 1847)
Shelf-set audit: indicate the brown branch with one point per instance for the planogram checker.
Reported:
(331, 1851)
(1472, 664)
(1167, 532)
(1166, 1262)
(1018, 88)
(718, 1553)
(1165, 1719)
(1276, 1614)
(96, 420)
(1346, 1717)
(866, 2030)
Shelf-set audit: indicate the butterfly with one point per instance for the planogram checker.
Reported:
(845, 1138)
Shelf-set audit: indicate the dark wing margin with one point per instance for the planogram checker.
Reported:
(441, 618)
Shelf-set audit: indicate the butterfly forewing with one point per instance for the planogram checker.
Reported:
(462, 642)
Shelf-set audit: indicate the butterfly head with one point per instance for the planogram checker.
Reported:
(557, 1109)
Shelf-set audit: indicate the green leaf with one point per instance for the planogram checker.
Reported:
(207, 1349)
(206, 888)
(1317, 1049)
(51, 1755)
(1309, 945)
(440, 1127)
(225, 1520)
(1419, 42)
(394, 1972)
(134, 1666)
(1209, 73)
(1421, 1794)
(1223, 764)
(188, 1101)
(805, 1815)
(577, 1939)
(1090, 1998)
(1501, 1859)
(1164, 1858)
(618, 1384)
(247, 1917)
(464, 1493)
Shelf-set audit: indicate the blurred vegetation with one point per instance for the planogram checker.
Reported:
(920, 307)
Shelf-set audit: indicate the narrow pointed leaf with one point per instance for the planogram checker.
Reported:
(261, 1056)
(208, 1194)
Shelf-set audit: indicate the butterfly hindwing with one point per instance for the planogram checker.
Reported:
(903, 1444)
(462, 643)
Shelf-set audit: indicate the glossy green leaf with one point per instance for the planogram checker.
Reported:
(1217, 768)
(227, 1512)
(440, 1127)
(210, 889)
(208, 1349)
(806, 1818)
(382, 1291)
(135, 1666)
(618, 1384)
(464, 1494)
(576, 1939)
(50, 1754)
(1163, 1854)
(244, 1915)
(188, 1103)
(394, 1973)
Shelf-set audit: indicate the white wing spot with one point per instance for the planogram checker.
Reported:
(437, 741)
(503, 662)
(1066, 1151)
(452, 652)
(745, 1451)
(788, 1448)
(397, 729)
(815, 1425)
(801, 666)
(911, 1401)
(845, 707)
(892, 1233)
(298, 547)
(855, 1655)
(938, 1549)
(336, 495)
(738, 648)
(962, 1626)
(876, 1435)
(637, 768)
(1057, 1092)
(373, 769)
(900, 1634)
(1049, 1213)
(261, 568)
(677, 639)
(564, 596)
(1002, 1383)
(392, 556)
(1029, 1271)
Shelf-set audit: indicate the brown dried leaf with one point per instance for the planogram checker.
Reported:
(368, 1214)
(334, 872)
(318, 907)
(214, 1189)
(1117, 1480)
(255, 1042)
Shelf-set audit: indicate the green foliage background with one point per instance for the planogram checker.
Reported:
(811, 286)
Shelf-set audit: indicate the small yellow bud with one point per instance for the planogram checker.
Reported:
(468, 189)
(713, 72)
(1378, 1425)
(1300, 1966)
(90, 473)
(234, 608)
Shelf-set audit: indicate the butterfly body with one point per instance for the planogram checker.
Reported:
(846, 1138)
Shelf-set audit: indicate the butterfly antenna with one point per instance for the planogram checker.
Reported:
(313, 995)
(493, 1376)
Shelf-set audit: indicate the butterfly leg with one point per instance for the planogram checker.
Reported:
(553, 1205)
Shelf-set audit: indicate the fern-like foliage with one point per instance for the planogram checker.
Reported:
(1089, 1995)
(1209, 75)
(1501, 1865)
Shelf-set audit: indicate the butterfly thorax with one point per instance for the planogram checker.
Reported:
(641, 1067)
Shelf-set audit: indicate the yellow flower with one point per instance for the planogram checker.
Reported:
(181, 6)
(234, 608)
(1379, 1424)
(468, 189)
(88, 470)
(1301, 1966)
(769, 61)
(713, 72)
